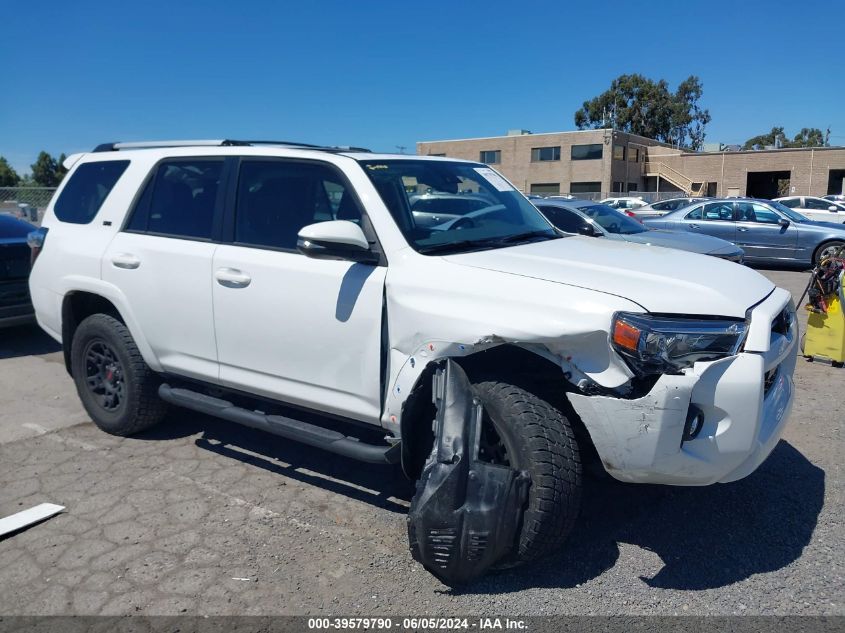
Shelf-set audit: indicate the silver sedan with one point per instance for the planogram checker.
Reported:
(767, 231)
(585, 217)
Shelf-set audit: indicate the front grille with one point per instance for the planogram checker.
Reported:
(14, 261)
(14, 293)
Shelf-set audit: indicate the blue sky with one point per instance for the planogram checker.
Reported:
(383, 74)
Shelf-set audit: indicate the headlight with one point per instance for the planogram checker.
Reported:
(666, 345)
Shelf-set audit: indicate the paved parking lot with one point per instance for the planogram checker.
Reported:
(201, 517)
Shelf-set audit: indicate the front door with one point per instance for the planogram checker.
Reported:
(760, 234)
(289, 327)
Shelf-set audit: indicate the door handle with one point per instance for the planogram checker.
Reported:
(693, 226)
(125, 260)
(742, 229)
(232, 278)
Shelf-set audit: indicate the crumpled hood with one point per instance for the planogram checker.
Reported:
(694, 243)
(661, 280)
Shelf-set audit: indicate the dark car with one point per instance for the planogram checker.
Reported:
(15, 255)
(767, 231)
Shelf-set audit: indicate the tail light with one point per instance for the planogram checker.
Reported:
(35, 240)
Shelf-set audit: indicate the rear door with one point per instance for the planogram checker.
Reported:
(161, 261)
(713, 218)
(289, 327)
(760, 234)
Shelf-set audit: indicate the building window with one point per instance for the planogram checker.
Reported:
(618, 152)
(632, 186)
(490, 156)
(633, 154)
(617, 186)
(585, 187)
(587, 152)
(542, 154)
(545, 187)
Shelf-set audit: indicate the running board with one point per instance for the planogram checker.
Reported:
(289, 428)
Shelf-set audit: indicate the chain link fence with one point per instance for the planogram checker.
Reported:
(26, 202)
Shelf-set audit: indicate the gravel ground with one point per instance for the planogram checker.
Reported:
(200, 517)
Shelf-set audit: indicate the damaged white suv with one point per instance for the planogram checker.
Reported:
(264, 283)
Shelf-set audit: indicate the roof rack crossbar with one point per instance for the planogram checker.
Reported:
(113, 147)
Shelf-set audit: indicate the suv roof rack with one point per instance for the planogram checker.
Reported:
(113, 147)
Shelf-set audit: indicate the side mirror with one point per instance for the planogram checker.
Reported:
(588, 230)
(335, 239)
(784, 222)
(833, 208)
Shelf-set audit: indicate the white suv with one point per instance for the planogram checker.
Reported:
(265, 282)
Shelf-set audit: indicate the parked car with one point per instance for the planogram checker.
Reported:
(15, 256)
(430, 209)
(625, 204)
(766, 230)
(836, 197)
(289, 289)
(583, 217)
(657, 209)
(817, 209)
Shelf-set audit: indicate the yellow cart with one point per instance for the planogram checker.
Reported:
(825, 336)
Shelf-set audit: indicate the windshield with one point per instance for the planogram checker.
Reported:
(443, 206)
(792, 214)
(612, 220)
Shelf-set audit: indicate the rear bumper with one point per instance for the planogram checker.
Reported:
(745, 401)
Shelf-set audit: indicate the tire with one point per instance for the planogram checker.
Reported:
(825, 249)
(537, 438)
(117, 388)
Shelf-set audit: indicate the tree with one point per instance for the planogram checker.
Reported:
(807, 137)
(44, 170)
(8, 176)
(775, 137)
(61, 170)
(639, 105)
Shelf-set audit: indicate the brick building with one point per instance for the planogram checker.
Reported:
(602, 162)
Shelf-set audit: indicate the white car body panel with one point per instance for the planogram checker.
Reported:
(315, 338)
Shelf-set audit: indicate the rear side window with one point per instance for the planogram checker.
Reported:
(86, 190)
(180, 199)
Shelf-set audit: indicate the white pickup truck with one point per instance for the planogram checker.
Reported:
(261, 281)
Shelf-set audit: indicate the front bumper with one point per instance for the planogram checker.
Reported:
(745, 400)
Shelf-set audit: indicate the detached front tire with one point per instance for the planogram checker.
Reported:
(117, 388)
(522, 430)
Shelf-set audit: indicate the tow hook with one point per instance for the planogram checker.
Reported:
(466, 514)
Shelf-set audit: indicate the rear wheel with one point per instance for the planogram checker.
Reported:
(523, 431)
(117, 388)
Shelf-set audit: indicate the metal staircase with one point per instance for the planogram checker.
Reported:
(672, 175)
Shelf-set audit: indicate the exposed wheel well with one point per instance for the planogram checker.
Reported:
(76, 307)
(505, 362)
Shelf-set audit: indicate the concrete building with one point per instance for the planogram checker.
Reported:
(605, 162)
